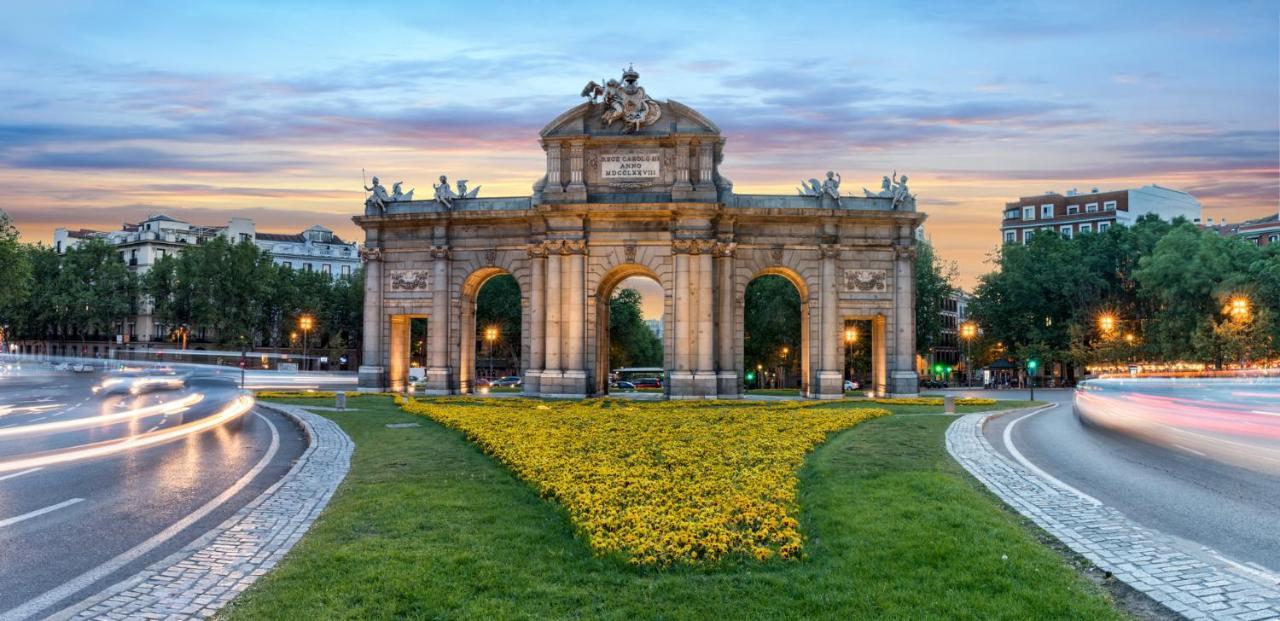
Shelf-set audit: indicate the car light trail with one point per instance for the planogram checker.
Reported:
(1230, 420)
(172, 407)
(233, 410)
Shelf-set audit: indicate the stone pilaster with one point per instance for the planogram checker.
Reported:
(682, 186)
(830, 379)
(705, 157)
(537, 318)
(727, 372)
(574, 313)
(439, 373)
(903, 379)
(372, 373)
(680, 384)
(553, 368)
(704, 376)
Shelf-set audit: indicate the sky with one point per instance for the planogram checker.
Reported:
(204, 111)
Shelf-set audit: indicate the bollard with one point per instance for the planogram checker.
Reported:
(340, 400)
(949, 404)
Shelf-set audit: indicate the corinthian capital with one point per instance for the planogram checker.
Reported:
(573, 246)
(537, 250)
(830, 251)
(725, 248)
(440, 252)
(908, 252)
(370, 254)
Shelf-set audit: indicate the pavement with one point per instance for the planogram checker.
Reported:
(1195, 534)
(86, 499)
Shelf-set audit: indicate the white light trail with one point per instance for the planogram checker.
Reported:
(233, 410)
(172, 407)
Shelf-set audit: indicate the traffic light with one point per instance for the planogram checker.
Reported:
(751, 376)
(1031, 366)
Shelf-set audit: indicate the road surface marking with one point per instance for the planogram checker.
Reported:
(39, 512)
(77, 584)
(1252, 571)
(1013, 450)
(18, 474)
(1189, 449)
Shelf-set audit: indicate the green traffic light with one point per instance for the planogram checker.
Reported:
(751, 376)
(1031, 364)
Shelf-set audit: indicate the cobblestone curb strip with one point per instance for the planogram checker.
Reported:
(204, 576)
(1145, 559)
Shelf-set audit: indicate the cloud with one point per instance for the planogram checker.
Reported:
(139, 158)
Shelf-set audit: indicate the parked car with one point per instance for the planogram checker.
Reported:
(62, 366)
(850, 385)
(482, 383)
(510, 380)
(647, 382)
(623, 385)
(81, 367)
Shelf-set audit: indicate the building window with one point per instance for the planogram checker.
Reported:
(346, 269)
(1009, 214)
(1073, 210)
(288, 264)
(306, 267)
(1065, 231)
(1086, 228)
(1029, 212)
(1109, 206)
(1046, 212)
(1271, 239)
(326, 269)
(1026, 235)
(1103, 226)
(1009, 236)
(1091, 208)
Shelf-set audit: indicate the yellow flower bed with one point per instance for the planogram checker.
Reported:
(932, 401)
(659, 482)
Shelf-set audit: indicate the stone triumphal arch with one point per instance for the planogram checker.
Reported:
(633, 187)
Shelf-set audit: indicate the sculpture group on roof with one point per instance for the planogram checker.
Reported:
(625, 101)
(829, 187)
(445, 195)
(894, 188)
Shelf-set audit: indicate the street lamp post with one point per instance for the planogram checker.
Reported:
(490, 335)
(305, 322)
(850, 337)
(967, 332)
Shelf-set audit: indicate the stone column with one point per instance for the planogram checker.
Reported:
(704, 165)
(680, 385)
(577, 189)
(553, 370)
(879, 357)
(727, 372)
(682, 186)
(537, 318)
(372, 373)
(554, 181)
(704, 293)
(574, 315)
(830, 378)
(903, 379)
(439, 374)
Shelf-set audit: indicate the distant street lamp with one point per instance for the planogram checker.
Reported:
(1106, 324)
(850, 337)
(1239, 308)
(490, 335)
(968, 330)
(305, 323)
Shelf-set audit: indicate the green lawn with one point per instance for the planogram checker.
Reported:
(426, 526)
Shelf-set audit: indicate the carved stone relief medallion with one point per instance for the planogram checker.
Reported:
(866, 281)
(410, 280)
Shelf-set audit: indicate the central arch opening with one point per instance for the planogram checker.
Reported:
(775, 340)
(491, 323)
(630, 329)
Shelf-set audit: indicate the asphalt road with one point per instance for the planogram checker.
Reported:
(72, 524)
(1174, 489)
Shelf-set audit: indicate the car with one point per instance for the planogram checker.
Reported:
(482, 383)
(623, 385)
(850, 385)
(81, 367)
(510, 380)
(62, 366)
(647, 382)
(138, 382)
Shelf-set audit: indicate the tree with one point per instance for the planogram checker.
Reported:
(15, 275)
(94, 290)
(631, 342)
(933, 287)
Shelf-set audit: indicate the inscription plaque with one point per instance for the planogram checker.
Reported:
(631, 165)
